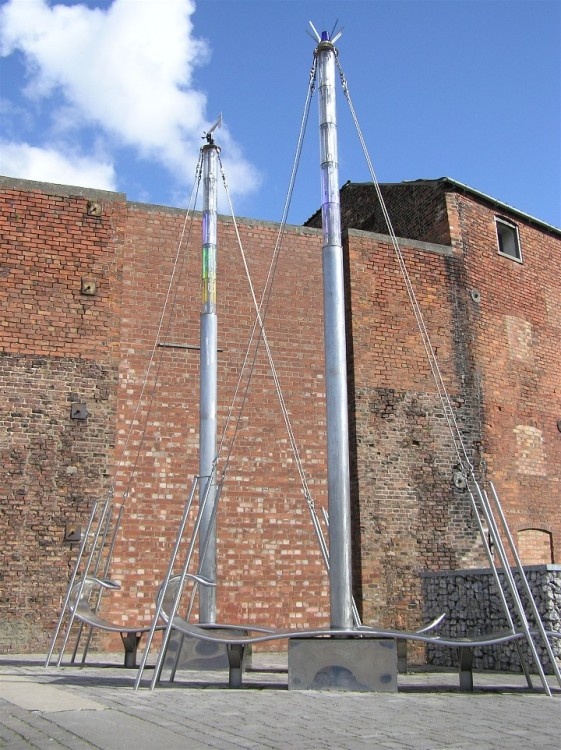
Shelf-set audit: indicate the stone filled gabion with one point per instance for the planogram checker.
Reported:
(474, 606)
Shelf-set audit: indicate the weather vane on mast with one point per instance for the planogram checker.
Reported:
(208, 134)
(325, 36)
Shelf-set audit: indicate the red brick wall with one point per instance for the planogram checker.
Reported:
(516, 330)
(268, 560)
(499, 359)
(58, 347)
(416, 209)
(534, 546)
(411, 516)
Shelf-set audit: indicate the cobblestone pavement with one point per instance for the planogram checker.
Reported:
(97, 707)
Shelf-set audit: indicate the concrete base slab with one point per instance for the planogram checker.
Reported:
(360, 665)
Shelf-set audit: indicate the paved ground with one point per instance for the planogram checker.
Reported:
(97, 707)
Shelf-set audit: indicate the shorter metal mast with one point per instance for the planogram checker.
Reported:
(208, 380)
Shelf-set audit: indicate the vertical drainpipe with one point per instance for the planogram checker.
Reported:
(338, 473)
(208, 382)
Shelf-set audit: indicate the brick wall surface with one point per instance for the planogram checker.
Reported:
(417, 210)
(534, 546)
(411, 516)
(269, 565)
(59, 347)
(515, 336)
(136, 367)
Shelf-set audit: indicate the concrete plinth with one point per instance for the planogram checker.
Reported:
(202, 655)
(354, 664)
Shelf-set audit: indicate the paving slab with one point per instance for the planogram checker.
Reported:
(31, 695)
(97, 707)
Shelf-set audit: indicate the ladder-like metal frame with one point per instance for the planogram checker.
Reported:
(89, 561)
(183, 575)
(485, 517)
(105, 568)
(94, 558)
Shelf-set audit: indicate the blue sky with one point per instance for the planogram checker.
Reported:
(116, 95)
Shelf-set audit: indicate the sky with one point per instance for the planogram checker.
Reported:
(117, 95)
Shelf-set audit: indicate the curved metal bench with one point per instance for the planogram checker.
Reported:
(237, 637)
(236, 641)
(82, 611)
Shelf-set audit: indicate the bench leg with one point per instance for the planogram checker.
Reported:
(465, 666)
(235, 661)
(402, 656)
(130, 642)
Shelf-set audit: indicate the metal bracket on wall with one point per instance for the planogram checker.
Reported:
(79, 412)
(94, 209)
(460, 480)
(72, 533)
(88, 287)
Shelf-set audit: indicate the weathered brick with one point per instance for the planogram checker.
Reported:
(498, 356)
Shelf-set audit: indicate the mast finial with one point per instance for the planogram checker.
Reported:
(326, 36)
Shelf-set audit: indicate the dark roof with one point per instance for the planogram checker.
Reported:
(417, 208)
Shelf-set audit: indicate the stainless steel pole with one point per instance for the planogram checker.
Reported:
(208, 383)
(338, 474)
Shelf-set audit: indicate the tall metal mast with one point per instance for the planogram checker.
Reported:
(338, 473)
(208, 381)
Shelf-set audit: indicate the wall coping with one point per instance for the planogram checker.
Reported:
(225, 218)
(68, 191)
(546, 568)
(404, 242)
(63, 191)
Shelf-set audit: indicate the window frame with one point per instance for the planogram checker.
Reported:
(500, 221)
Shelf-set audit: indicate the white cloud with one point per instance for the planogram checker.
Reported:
(49, 165)
(126, 71)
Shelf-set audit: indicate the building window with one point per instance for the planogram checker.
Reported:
(508, 239)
